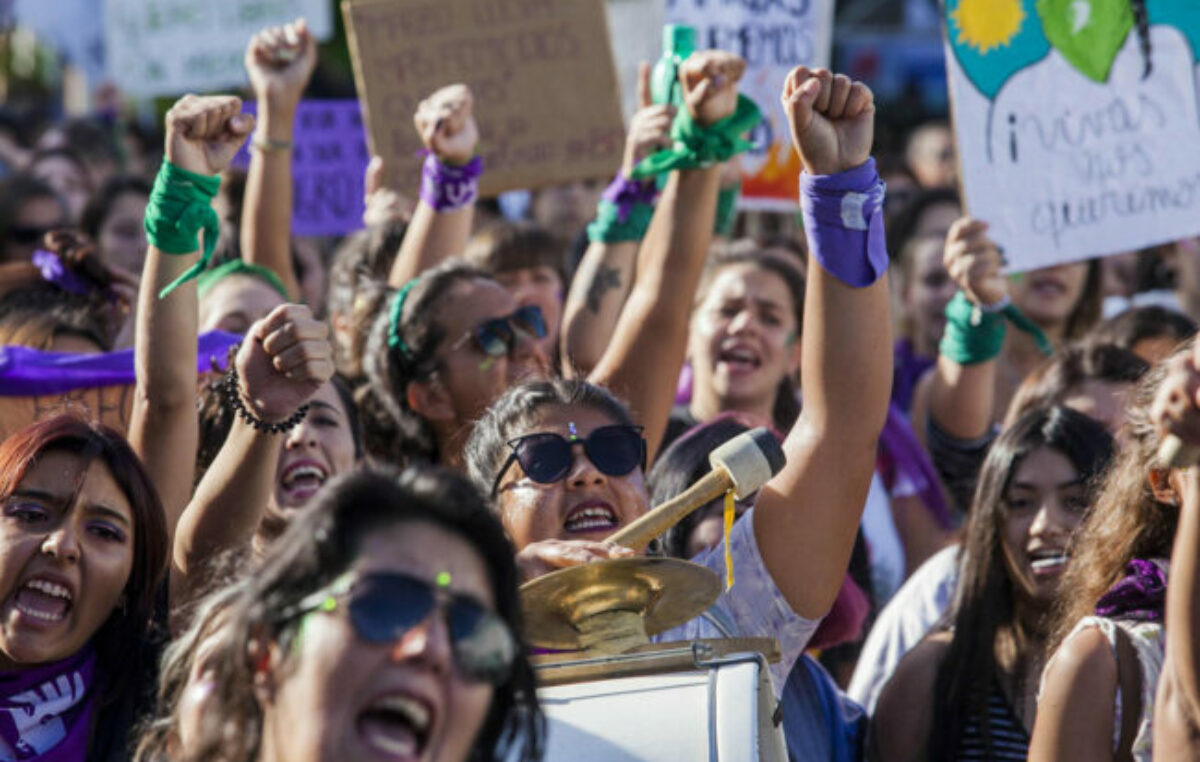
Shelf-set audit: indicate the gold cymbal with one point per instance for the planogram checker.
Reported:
(613, 606)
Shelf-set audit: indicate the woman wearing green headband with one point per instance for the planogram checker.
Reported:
(451, 342)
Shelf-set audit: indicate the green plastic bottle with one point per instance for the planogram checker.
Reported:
(678, 43)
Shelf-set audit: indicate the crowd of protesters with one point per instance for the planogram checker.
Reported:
(307, 545)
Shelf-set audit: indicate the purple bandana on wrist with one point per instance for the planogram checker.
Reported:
(446, 188)
(54, 271)
(1141, 595)
(843, 219)
(625, 194)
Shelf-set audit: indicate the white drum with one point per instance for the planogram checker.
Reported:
(722, 709)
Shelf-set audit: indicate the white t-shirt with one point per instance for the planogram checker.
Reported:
(907, 618)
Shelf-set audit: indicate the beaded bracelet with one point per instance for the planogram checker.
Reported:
(233, 398)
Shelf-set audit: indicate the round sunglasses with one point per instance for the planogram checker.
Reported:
(547, 457)
(498, 337)
(383, 606)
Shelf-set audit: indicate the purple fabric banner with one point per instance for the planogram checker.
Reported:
(27, 372)
(329, 159)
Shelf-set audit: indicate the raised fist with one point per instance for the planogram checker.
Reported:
(447, 126)
(204, 132)
(280, 61)
(285, 358)
(832, 119)
(974, 262)
(709, 80)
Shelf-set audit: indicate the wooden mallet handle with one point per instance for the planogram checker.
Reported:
(743, 464)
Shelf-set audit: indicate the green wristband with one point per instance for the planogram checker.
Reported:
(180, 207)
(696, 147)
(608, 227)
(972, 336)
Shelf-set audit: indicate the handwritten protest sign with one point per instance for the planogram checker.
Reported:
(167, 47)
(774, 36)
(546, 97)
(329, 157)
(1078, 129)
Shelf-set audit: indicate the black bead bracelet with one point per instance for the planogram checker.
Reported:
(233, 398)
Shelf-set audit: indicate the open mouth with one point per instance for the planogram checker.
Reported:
(591, 516)
(739, 359)
(1050, 561)
(43, 600)
(302, 479)
(397, 726)
(1048, 287)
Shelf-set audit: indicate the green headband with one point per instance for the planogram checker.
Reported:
(394, 339)
(208, 279)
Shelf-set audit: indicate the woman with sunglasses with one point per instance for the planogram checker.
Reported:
(83, 546)
(452, 339)
(383, 633)
(791, 550)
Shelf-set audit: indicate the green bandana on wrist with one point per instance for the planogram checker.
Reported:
(608, 227)
(727, 209)
(180, 207)
(697, 147)
(974, 335)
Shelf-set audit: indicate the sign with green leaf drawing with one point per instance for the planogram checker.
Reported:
(1077, 122)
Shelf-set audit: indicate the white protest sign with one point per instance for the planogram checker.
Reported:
(81, 41)
(1078, 129)
(774, 36)
(168, 47)
(635, 27)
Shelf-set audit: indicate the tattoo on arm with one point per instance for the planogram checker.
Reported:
(607, 278)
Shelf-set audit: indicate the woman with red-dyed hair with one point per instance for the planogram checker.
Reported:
(83, 546)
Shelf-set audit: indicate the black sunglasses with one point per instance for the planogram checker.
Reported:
(497, 337)
(383, 606)
(546, 457)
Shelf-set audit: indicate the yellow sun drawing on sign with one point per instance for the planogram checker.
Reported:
(987, 24)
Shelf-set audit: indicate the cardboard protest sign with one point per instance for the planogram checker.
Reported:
(546, 97)
(1077, 123)
(329, 158)
(168, 47)
(774, 38)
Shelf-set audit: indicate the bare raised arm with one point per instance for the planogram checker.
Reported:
(1177, 707)
(605, 274)
(203, 134)
(806, 518)
(446, 123)
(285, 358)
(643, 359)
(962, 396)
(280, 62)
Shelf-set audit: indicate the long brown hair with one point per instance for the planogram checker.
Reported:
(1127, 522)
(119, 640)
(984, 609)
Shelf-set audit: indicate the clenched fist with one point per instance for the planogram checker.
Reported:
(446, 124)
(205, 132)
(832, 119)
